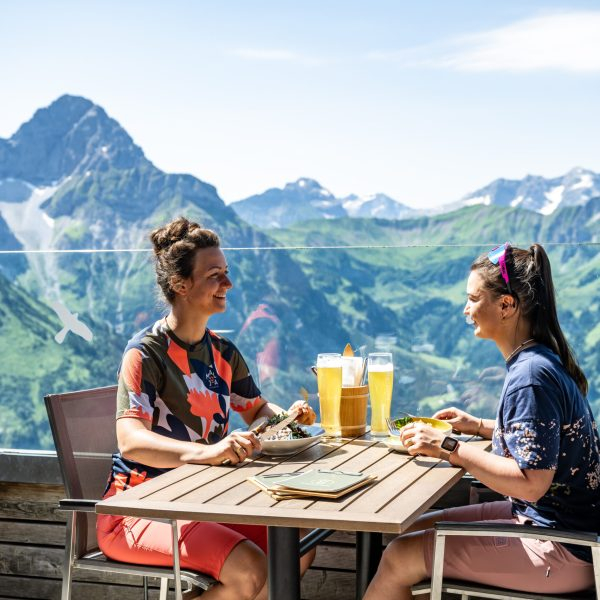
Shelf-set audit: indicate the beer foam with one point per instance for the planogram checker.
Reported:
(329, 361)
(381, 368)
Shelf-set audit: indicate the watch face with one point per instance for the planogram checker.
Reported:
(449, 443)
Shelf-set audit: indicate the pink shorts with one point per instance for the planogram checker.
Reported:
(519, 564)
(203, 547)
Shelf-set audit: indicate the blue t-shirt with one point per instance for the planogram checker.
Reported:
(544, 422)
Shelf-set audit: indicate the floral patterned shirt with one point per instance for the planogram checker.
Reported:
(544, 422)
(185, 391)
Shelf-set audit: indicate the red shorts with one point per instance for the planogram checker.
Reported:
(203, 547)
(518, 564)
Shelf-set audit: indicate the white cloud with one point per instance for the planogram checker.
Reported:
(566, 41)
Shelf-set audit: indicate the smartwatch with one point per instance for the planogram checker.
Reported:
(449, 444)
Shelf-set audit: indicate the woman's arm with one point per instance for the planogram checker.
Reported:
(466, 423)
(137, 442)
(486, 429)
(262, 408)
(502, 474)
(499, 473)
(268, 409)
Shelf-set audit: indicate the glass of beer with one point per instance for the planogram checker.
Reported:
(381, 380)
(329, 380)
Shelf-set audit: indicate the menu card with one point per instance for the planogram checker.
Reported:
(319, 483)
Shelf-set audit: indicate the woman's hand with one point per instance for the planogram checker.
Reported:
(460, 420)
(236, 447)
(421, 439)
(306, 416)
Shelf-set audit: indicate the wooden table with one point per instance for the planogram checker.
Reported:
(406, 487)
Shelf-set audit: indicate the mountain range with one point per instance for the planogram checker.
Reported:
(73, 180)
(305, 199)
(537, 193)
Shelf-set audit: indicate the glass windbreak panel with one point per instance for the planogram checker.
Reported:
(67, 317)
(410, 302)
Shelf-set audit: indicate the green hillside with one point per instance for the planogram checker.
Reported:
(33, 365)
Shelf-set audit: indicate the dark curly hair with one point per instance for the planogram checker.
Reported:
(530, 277)
(175, 246)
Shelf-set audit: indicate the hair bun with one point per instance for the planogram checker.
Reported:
(160, 240)
(168, 235)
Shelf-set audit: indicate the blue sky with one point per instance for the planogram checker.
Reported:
(424, 101)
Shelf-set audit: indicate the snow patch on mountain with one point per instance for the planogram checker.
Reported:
(555, 196)
(595, 218)
(486, 200)
(28, 222)
(323, 203)
(375, 206)
(584, 182)
(354, 203)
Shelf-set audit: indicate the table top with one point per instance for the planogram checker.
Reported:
(406, 486)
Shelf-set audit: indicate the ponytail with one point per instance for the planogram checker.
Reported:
(544, 317)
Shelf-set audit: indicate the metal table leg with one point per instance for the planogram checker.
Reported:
(284, 563)
(368, 554)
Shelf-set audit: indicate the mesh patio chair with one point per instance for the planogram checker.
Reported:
(467, 589)
(83, 427)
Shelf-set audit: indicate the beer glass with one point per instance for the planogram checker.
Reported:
(381, 379)
(329, 381)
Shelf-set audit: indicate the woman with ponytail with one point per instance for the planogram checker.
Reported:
(546, 451)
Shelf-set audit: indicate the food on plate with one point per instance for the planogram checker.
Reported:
(402, 421)
(292, 432)
(435, 423)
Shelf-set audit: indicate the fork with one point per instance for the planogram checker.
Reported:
(391, 425)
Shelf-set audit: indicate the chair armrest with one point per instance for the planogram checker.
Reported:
(78, 504)
(582, 538)
(312, 539)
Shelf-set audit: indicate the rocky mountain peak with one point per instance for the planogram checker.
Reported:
(54, 121)
(375, 206)
(70, 136)
(307, 187)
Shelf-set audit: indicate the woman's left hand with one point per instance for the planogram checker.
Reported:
(307, 415)
(423, 440)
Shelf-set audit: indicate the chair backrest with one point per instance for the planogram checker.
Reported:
(83, 427)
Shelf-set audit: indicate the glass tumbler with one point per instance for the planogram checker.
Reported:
(381, 380)
(329, 381)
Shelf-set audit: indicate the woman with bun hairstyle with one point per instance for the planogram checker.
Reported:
(545, 456)
(178, 381)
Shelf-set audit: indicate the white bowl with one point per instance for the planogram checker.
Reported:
(283, 447)
(394, 443)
